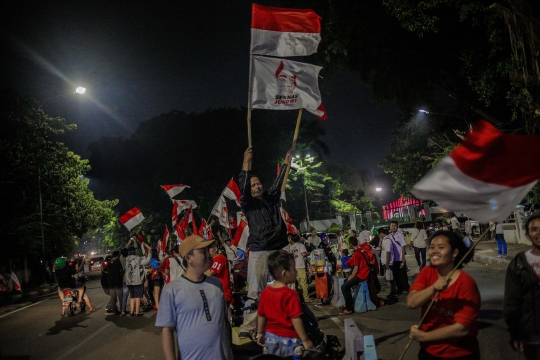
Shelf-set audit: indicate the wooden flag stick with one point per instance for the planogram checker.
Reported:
(249, 104)
(438, 292)
(295, 137)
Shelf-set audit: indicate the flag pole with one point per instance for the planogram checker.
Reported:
(249, 102)
(295, 137)
(438, 292)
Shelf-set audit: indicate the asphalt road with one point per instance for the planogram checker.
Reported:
(35, 330)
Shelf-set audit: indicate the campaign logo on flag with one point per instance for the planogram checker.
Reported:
(185, 204)
(279, 84)
(175, 189)
(284, 32)
(221, 212)
(132, 218)
(486, 176)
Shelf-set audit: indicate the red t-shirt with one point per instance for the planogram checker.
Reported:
(279, 306)
(458, 303)
(220, 266)
(358, 259)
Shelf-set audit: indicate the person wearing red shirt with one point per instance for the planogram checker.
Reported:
(359, 273)
(220, 270)
(280, 328)
(449, 330)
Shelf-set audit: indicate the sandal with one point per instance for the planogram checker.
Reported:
(346, 312)
(93, 309)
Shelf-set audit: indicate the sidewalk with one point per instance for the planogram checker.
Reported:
(29, 292)
(486, 251)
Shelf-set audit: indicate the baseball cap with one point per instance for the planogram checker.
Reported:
(193, 242)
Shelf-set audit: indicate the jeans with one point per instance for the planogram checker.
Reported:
(125, 294)
(116, 295)
(257, 278)
(280, 346)
(346, 291)
(501, 244)
(420, 251)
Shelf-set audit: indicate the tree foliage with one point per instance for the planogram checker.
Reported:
(32, 166)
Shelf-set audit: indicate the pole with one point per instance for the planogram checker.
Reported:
(249, 100)
(295, 137)
(438, 292)
(41, 214)
(307, 211)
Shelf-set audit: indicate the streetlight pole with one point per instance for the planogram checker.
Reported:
(434, 113)
(379, 189)
(80, 90)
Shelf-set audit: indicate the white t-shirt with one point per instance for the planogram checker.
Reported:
(534, 261)
(419, 237)
(297, 250)
(315, 240)
(499, 229)
(231, 252)
(399, 242)
(455, 223)
(468, 229)
(363, 237)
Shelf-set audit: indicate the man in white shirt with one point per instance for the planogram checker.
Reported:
(314, 239)
(394, 246)
(299, 251)
(455, 222)
(364, 235)
(468, 228)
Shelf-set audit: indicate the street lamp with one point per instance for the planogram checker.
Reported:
(301, 168)
(434, 113)
(80, 90)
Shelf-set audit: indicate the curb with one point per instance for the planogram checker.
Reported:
(15, 297)
(491, 260)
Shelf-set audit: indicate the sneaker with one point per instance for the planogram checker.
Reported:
(124, 313)
(109, 313)
(505, 255)
(243, 335)
(498, 256)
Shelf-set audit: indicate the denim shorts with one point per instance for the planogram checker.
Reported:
(281, 346)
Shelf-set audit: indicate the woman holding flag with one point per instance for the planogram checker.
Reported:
(448, 330)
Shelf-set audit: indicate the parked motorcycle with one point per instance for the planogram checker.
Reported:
(70, 305)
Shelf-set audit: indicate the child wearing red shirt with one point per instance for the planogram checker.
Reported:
(280, 328)
(220, 270)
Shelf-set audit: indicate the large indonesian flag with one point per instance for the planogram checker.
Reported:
(486, 176)
(132, 218)
(232, 192)
(279, 84)
(175, 189)
(284, 32)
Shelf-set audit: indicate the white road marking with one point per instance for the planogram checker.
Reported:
(88, 338)
(12, 312)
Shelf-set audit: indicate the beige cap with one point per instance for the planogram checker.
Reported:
(193, 242)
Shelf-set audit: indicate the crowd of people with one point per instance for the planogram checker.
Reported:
(192, 287)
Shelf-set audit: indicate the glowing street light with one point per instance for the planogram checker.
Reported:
(434, 113)
(80, 90)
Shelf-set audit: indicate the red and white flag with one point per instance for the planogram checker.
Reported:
(284, 32)
(164, 240)
(175, 189)
(240, 216)
(241, 236)
(175, 212)
(185, 204)
(132, 218)
(279, 84)
(141, 239)
(179, 232)
(221, 212)
(232, 192)
(16, 282)
(486, 176)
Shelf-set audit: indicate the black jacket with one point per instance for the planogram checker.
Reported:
(116, 274)
(522, 301)
(267, 230)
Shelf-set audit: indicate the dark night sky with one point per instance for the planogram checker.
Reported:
(138, 61)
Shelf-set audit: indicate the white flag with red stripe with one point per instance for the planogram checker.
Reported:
(175, 213)
(284, 32)
(165, 239)
(486, 176)
(185, 204)
(279, 84)
(240, 216)
(179, 232)
(241, 236)
(175, 189)
(132, 218)
(232, 192)
(221, 212)
(16, 282)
